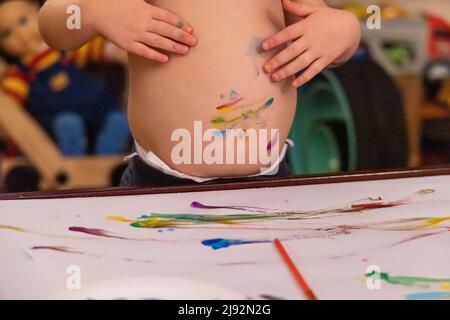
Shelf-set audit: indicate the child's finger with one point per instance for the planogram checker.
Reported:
(156, 41)
(301, 10)
(292, 32)
(288, 54)
(144, 51)
(300, 63)
(314, 69)
(171, 18)
(169, 31)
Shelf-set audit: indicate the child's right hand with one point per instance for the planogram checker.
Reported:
(141, 28)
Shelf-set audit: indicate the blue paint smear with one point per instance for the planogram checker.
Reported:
(219, 243)
(437, 295)
(166, 230)
(219, 133)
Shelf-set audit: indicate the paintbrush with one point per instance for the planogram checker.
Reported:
(297, 275)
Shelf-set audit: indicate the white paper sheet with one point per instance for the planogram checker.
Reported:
(333, 259)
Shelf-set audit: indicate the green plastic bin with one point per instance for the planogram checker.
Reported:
(323, 130)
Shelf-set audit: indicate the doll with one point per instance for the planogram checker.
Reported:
(53, 87)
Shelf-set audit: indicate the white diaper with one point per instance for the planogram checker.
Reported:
(154, 161)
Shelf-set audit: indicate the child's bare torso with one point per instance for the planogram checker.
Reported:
(220, 82)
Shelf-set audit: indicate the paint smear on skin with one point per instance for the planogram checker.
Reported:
(220, 133)
(219, 243)
(228, 106)
(254, 51)
(272, 143)
(180, 24)
(251, 114)
(106, 234)
(407, 281)
(65, 249)
(437, 295)
(233, 95)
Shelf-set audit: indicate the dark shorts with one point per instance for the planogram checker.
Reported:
(140, 174)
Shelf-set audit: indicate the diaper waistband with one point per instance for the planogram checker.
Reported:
(154, 161)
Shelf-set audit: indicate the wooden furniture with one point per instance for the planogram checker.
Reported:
(56, 170)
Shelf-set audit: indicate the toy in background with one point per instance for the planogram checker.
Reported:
(437, 72)
(407, 41)
(69, 103)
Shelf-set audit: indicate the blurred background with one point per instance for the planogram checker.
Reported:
(388, 108)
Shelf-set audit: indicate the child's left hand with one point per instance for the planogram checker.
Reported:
(325, 36)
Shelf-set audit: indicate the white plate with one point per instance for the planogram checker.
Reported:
(150, 288)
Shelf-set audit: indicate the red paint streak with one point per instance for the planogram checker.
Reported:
(377, 205)
(230, 104)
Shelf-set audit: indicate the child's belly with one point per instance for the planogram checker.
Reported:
(225, 68)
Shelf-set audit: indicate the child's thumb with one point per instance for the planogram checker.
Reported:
(301, 10)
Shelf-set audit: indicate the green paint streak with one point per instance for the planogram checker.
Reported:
(28, 256)
(218, 120)
(158, 220)
(269, 102)
(180, 24)
(426, 191)
(405, 280)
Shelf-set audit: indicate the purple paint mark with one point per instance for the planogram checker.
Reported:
(219, 243)
(272, 143)
(65, 249)
(420, 236)
(199, 205)
(97, 232)
(57, 248)
(106, 234)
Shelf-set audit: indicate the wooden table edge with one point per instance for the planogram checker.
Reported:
(266, 183)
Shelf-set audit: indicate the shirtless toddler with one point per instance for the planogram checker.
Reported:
(203, 68)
